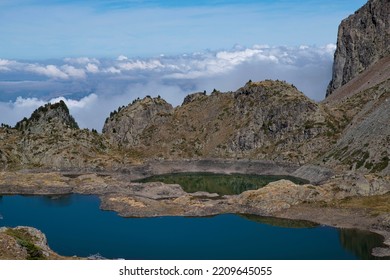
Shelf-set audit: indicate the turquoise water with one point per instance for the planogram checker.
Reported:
(74, 225)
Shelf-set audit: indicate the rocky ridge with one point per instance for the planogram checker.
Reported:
(262, 120)
(124, 126)
(363, 39)
(268, 120)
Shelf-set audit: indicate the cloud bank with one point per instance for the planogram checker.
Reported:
(92, 87)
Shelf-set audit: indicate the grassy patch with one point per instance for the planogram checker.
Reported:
(381, 165)
(377, 204)
(25, 240)
(362, 159)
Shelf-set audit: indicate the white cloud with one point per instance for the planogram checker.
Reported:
(112, 70)
(77, 104)
(50, 71)
(121, 58)
(118, 81)
(73, 72)
(81, 60)
(4, 63)
(92, 68)
(27, 102)
(141, 65)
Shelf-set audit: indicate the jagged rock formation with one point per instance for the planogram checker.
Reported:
(54, 116)
(51, 138)
(263, 120)
(363, 39)
(123, 128)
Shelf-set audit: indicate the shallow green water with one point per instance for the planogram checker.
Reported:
(74, 225)
(223, 184)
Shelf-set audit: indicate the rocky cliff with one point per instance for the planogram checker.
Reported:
(363, 39)
(262, 120)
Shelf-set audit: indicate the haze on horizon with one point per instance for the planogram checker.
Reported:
(98, 55)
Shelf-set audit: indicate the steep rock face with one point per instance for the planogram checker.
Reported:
(125, 127)
(263, 120)
(363, 39)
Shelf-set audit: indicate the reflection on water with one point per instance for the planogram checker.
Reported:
(74, 225)
(279, 222)
(223, 184)
(361, 242)
(57, 200)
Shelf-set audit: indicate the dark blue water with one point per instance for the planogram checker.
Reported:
(74, 225)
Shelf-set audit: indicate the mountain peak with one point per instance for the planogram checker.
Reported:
(48, 115)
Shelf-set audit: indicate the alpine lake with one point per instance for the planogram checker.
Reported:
(74, 225)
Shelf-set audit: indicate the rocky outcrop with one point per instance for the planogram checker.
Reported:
(263, 120)
(280, 195)
(125, 127)
(50, 116)
(192, 97)
(363, 39)
(51, 138)
(25, 243)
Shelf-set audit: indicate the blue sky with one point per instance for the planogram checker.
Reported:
(32, 29)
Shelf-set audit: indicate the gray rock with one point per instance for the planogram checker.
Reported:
(124, 128)
(313, 173)
(363, 39)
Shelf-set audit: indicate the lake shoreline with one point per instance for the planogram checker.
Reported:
(281, 199)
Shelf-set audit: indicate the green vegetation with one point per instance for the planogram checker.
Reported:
(25, 240)
(3, 125)
(222, 184)
(381, 165)
(362, 160)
